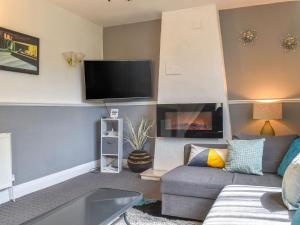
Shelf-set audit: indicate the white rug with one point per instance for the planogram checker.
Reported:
(136, 217)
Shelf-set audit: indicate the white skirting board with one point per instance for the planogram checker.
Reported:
(48, 181)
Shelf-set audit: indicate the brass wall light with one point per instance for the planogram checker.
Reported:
(73, 58)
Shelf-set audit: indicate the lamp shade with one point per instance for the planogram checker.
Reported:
(267, 111)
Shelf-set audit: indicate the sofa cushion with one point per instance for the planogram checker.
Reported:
(190, 181)
(291, 185)
(296, 219)
(249, 205)
(245, 156)
(268, 180)
(274, 150)
(207, 157)
(293, 151)
(188, 148)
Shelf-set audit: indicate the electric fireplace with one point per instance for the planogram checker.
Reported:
(190, 120)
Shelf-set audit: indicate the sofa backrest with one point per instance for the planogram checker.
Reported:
(274, 150)
(187, 149)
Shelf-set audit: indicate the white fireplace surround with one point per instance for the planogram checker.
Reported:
(191, 71)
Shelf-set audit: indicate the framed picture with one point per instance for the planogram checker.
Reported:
(114, 113)
(19, 52)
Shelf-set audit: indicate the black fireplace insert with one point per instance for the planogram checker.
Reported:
(190, 120)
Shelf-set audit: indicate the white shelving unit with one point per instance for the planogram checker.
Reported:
(111, 145)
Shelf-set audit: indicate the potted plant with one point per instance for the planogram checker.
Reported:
(139, 160)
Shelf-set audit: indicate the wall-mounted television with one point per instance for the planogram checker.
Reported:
(118, 79)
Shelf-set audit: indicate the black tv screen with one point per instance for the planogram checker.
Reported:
(118, 79)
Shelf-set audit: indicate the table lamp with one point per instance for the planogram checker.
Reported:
(267, 112)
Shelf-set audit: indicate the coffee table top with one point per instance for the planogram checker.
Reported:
(99, 207)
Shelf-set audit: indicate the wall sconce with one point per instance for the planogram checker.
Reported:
(73, 58)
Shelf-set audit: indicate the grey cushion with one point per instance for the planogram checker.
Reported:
(249, 205)
(274, 150)
(268, 180)
(195, 181)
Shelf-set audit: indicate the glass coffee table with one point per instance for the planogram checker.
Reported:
(100, 207)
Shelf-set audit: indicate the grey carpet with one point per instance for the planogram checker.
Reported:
(35, 204)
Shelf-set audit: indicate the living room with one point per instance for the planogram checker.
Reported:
(149, 112)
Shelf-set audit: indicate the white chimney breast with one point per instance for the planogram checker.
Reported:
(191, 46)
(172, 69)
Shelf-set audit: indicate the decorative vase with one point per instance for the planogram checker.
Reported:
(139, 161)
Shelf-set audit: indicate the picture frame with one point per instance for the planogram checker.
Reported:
(114, 113)
(19, 52)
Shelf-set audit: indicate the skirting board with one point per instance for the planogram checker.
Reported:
(48, 181)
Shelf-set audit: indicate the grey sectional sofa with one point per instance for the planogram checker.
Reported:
(190, 192)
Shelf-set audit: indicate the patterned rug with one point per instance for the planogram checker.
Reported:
(148, 212)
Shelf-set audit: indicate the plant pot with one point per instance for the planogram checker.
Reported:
(139, 161)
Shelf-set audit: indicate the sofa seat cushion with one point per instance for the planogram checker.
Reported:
(203, 182)
(268, 179)
(249, 205)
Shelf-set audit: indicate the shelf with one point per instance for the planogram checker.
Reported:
(110, 136)
(110, 119)
(110, 170)
(111, 145)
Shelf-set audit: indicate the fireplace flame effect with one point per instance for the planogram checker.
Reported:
(189, 121)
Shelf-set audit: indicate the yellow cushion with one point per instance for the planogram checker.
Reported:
(215, 159)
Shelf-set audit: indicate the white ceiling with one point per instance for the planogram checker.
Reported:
(118, 12)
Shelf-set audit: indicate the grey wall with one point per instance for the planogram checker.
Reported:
(50, 139)
(135, 114)
(46, 140)
(134, 41)
(262, 70)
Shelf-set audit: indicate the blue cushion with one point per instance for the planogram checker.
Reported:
(245, 156)
(293, 151)
(296, 219)
(291, 185)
